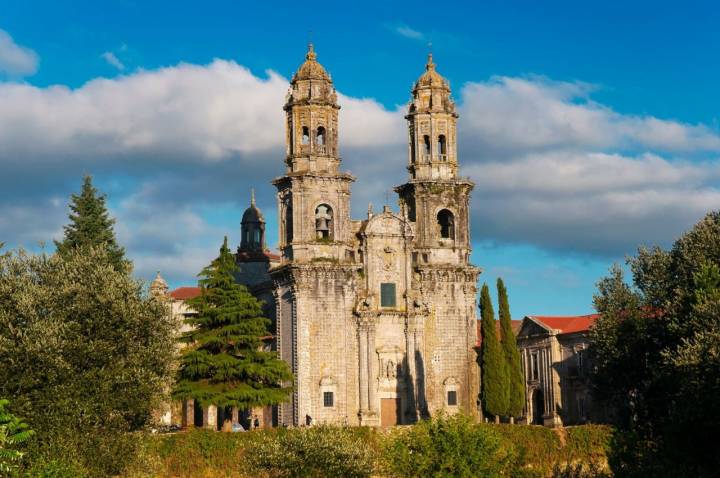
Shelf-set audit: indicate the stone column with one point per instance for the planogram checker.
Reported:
(372, 382)
(235, 415)
(411, 372)
(188, 413)
(210, 417)
(363, 344)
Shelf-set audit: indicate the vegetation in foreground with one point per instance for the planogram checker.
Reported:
(85, 353)
(456, 446)
(656, 350)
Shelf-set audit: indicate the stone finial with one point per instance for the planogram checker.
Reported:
(311, 55)
(252, 196)
(370, 211)
(158, 287)
(430, 65)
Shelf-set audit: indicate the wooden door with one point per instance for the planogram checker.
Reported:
(389, 412)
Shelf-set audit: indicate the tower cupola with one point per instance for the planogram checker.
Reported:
(252, 228)
(311, 118)
(432, 118)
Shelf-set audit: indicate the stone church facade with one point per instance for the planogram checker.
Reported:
(376, 316)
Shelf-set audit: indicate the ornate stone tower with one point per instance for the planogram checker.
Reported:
(314, 282)
(435, 199)
(313, 195)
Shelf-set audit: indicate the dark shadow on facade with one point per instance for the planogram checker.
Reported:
(421, 401)
(538, 404)
(411, 402)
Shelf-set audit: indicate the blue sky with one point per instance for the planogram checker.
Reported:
(588, 128)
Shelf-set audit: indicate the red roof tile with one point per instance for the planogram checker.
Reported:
(567, 324)
(185, 293)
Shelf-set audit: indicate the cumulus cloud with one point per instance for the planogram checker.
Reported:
(174, 146)
(16, 60)
(113, 60)
(512, 115)
(605, 204)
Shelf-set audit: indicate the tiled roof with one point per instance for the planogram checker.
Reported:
(514, 325)
(567, 324)
(184, 293)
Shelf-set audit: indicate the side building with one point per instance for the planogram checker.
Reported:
(254, 262)
(555, 362)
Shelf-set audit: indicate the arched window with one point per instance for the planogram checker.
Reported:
(305, 135)
(320, 136)
(446, 221)
(442, 145)
(426, 141)
(324, 222)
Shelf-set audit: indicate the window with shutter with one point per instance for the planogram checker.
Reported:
(387, 294)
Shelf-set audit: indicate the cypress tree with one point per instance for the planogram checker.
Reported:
(224, 363)
(494, 379)
(516, 378)
(91, 225)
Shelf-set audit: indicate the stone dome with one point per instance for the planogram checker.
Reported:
(431, 78)
(311, 69)
(252, 214)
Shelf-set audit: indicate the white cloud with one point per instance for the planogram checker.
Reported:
(202, 112)
(511, 115)
(605, 204)
(407, 32)
(113, 60)
(553, 167)
(16, 60)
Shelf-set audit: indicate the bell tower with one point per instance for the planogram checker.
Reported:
(313, 196)
(431, 123)
(435, 198)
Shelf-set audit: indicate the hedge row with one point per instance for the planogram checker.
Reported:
(445, 446)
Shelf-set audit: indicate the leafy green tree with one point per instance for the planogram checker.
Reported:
(656, 351)
(515, 376)
(91, 225)
(494, 391)
(85, 355)
(224, 363)
(13, 431)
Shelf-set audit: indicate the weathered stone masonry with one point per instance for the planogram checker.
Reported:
(376, 316)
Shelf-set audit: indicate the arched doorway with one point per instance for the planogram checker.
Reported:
(538, 407)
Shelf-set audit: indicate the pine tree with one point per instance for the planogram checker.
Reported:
(225, 364)
(515, 376)
(494, 378)
(90, 225)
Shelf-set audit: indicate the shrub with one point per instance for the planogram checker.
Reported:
(448, 446)
(13, 432)
(579, 471)
(322, 451)
(54, 469)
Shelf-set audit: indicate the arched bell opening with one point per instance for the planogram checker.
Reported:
(324, 222)
(446, 222)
